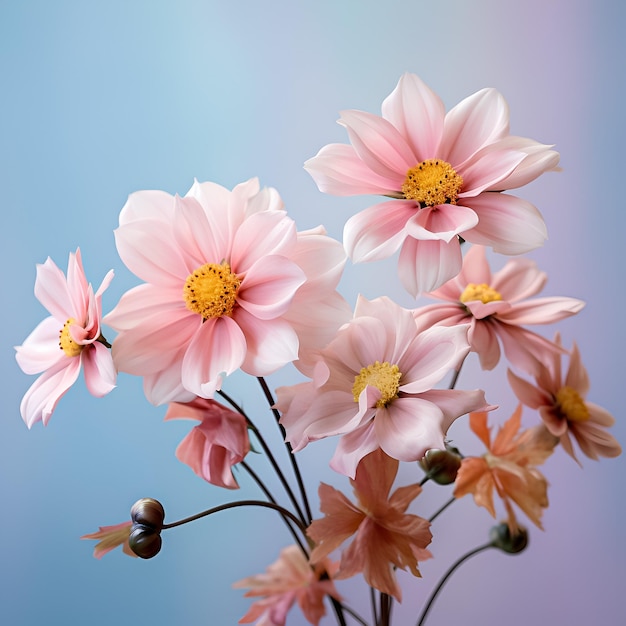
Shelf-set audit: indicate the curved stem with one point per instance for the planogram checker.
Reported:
(445, 577)
(455, 376)
(374, 607)
(441, 509)
(355, 615)
(294, 462)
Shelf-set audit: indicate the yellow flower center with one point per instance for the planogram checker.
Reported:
(211, 291)
(432, 182)
(482, 292)
(385, 377)
(66, 343)
(571, 405)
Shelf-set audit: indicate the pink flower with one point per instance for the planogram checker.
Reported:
(216, 444)
(373, 385)
(496, 307)
(110, 537)
(220, 280)
(385, 537)
(289, 580)
(444, 173)
(562, 405)
(66, 341)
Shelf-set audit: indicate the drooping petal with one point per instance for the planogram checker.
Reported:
(98, 369)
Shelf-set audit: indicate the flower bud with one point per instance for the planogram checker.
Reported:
(145, 542)
(148, 512)
(502, 538)
(441, 466)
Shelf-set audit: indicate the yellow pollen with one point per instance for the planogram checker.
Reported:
(571, 405)
(432, 182)
(385, 377)
(66, 343)
(211, 291)
(482, 292)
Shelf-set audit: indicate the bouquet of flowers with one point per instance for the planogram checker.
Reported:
(229, 284)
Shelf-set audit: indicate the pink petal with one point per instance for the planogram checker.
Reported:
(484, 341)
(150, 204)
(418, 114)
(441, 222)
(519, 279)
(352, 448)
(51, 289)
(98, 369)
(577, 377)
(166, 385)
(40, 349)
(527, 393)
(541, 311)
(455, 402)
(378, 231)
(508, 224)
(486, 170)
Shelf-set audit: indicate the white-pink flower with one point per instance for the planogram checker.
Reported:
(444, 173)
(65, 342)
(373, 384)
(222, 273)
(497, 306)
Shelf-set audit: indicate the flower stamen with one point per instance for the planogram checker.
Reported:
(482, 292)
(211, 290)
(571, 405)
(432, 182)
(66, 343)
(383, 376)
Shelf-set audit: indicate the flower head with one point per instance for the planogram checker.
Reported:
(564, 409)
(373, 384)
(221, 270)
(110, 537)
(444, 173)
(289, 580)
(65, 342)
(385, 536)
(496, 306)
(217, 443)
(509, 467)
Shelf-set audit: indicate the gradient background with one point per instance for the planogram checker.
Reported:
(104, 98)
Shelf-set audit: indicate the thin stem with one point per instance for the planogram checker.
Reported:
(234, 505)
(271, 498)
(385, 609)
(354, 615)
(447, 575)
(338, 607)
(270, 456)
(441, 510)
(292, 456)
(374, 608)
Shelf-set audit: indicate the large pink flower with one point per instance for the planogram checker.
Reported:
(496, 308)
(373, 384)
(444, 174)
(217, 443)
(221, 270)
(564, 409)
(66, 341)
(385, 536)
(289, 580)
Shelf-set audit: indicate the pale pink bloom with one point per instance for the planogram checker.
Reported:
(110, 537)
(564, 409)
(385, 536)
(66, 341)
(444, 174)
(221, 274)
(373, 384)
(217, 443)
(509, 467)
(287, 581)
(497, 306)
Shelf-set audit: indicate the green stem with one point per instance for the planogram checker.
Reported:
(441, 509)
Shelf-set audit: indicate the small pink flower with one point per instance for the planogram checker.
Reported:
(373, 384)
(289, 580)
(66, 341)
(444, 174)
(216, 444)
(564, 409)
(110, 537)
(496, 306)
(221, 271)
(385, 536)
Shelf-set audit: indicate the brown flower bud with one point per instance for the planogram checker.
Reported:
(441, 466)
(502, 538)
(145, 542)
(148, 512)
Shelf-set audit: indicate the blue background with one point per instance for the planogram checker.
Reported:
(100, 99)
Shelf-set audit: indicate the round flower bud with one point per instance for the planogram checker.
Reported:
(441, 466)
(148, 512)
(502, 538)
(145, 542)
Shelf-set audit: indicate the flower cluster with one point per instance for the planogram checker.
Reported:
(229, 283)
